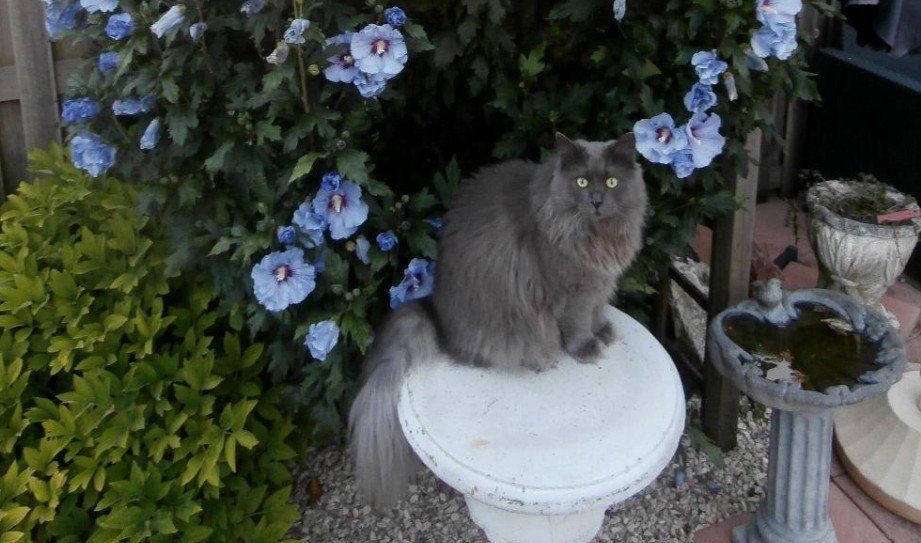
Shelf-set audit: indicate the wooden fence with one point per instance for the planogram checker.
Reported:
(32, 74)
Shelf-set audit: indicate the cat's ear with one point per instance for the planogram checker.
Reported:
(623, 147)
(568, 151)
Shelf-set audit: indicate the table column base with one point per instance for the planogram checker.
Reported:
(760, 530)
(503, 526)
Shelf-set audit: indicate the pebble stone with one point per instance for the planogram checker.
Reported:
(435, 513)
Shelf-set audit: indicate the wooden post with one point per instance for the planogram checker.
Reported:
(730, 273)
(35, 72)
(797, 112)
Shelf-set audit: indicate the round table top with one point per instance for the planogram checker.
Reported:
(555, 442)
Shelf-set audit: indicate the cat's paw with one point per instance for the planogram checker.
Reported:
(589, 351)
(539, 364)
(606, 334)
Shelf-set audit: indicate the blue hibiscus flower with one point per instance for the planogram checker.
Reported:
(343, 209)
(79, 110)
(96, 6)
(89, 153)
(379, 49)
(279, 55)
(120, 26)
(436, 223)
(704, 139)
(134, 106)
(700, 98)
(708, 66)
(295, 32)
(173, 17)
(657, 139)
(331, 181)
(108, 61)
(319, 260)
(151, 135)
(321, 338)
(620, 9)
(418, 282)
(386, 241)
(310, 223)
(287, 235)
(342, 68)
(395, 16)
(770, 11)
(683, 163)
(60, 16)
(252, 7)
(197, 30)
(362, 250)
(777, 39)
(282, 278)
(754, 62)
(370, 85)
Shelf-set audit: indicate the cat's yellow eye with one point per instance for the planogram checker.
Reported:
(582, 182)
(611, 182)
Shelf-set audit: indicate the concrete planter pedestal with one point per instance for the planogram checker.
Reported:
(795, 508)
(539, 457)
(855, 257)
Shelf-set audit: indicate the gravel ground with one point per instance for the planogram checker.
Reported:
(435, 513)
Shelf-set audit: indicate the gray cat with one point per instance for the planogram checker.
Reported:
(527, 260)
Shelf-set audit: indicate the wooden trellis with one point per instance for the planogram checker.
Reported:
(32, 72)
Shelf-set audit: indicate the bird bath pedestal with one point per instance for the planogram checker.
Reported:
(802, 354)
(539, 457)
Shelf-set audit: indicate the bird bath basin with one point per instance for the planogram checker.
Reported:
(803, 354)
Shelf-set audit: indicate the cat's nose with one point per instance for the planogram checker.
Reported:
(596, 200)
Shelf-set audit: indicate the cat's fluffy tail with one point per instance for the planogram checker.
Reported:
(383, 460)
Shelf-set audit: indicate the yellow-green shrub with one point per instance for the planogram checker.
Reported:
(129, 409)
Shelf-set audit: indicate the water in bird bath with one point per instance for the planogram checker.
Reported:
(817, 348)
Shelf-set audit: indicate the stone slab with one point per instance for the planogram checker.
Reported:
(895, 528)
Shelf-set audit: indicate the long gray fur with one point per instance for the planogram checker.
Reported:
(527, 263)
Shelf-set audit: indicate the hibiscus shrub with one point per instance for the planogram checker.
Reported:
(131, 410)
(299, 153)
(227, 112)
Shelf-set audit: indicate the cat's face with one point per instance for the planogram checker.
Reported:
(598, 180)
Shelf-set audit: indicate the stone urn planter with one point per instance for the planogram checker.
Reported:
(802, 354)
(863, 235)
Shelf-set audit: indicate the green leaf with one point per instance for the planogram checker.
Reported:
(422, 201)
(447, 47)
(337, 269)
(700, 442)
(305, 164)
(245, 439)
(578, 11)
(421, 242)
(356, 328)
(230, 453)
(215, 162)
(353, 165)
(532, 64)
(266, 132)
